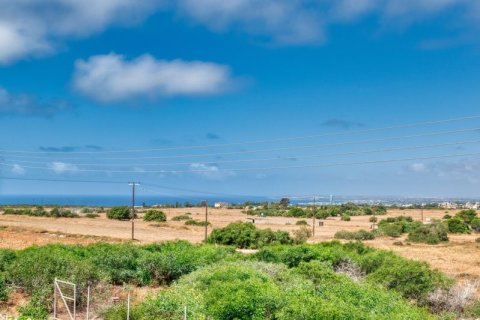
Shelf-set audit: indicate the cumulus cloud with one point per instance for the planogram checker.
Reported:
(418, 167)
(18, 170)
(61, 167)
(28, 105)
(210, 171)
(32, 28)
(467, 170)
(306, 21)
(109, 78)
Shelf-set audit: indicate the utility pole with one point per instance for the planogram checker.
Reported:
(133, 184)
(206, 220)
(422, 213)
(313, 217)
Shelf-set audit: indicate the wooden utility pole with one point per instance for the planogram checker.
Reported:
(313, 217)
(206, 220)
(133, 184)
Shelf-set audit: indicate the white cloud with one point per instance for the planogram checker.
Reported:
(18, 170)
(61, 167)
(112, 77)
(32, 27)
(418, 167)
(210, 171)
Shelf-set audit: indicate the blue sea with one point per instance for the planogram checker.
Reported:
(109, 200)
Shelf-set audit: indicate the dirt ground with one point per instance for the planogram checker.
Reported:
(459, 258)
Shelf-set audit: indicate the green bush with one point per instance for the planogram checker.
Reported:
(456, 225)
(3, 290)
(301, 223)
(355, 235)
(431, 234)
(155, 215)
(197, 223)
(296, 212)
(62, 213)
(36, 308)
(466, 215)
(447, 216)
(119, 213)
(393, 230)
(182, 217)
(246, 235)
(373, 219)
(301, 235)
(345, 217)
(252, 290)
(92, 215)
(475, 224)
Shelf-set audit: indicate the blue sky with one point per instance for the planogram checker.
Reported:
(81, 82)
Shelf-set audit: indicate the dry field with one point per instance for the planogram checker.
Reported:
(459, 258)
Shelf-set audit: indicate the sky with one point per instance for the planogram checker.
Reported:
(240, 97)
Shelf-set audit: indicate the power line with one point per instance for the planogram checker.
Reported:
(260, 168)
(402, 126)
(264, 159)
(366, 141)
(62, 180)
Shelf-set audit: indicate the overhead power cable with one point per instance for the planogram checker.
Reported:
(257, 168)
(402, 126)
(202, 155)
(296, 157)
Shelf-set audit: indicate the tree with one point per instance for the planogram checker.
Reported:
(284, 202)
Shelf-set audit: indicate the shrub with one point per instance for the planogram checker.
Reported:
(431, 234)
(393, 230)
(119, 213)
(36, 307)
(87, 210)
(181, 217)
(62, 213)
(301, 235)
(475, 224)
(373, 219)
(197, 223)
(447, 216)
(477, 240)
(345, 217)
(296, 212)
(301, 223)
(155, 215)
(3, 290)
(246, 235)
(456, 225)
(466, 215)
(92, 215)
(358, 235)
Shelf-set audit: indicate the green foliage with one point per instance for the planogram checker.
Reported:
(36, 307)
(197, 223)
(345, 217)
(87, 210)
(475, 224)
(62, 213)
(92, 215)
(3, 290)
(301, 223)
(252, 290)
(355, 235)
(466, 215)
(431, 234)
(119, 213)
(456, 225)
(396, 226)
(246, 235)
(373, 219)
(301, 235)
(6, 257)
(447, 216)
(182, 217)
(41, 212)
(155, 215)
(296, 212)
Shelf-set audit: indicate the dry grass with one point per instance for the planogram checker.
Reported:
(459, 258)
